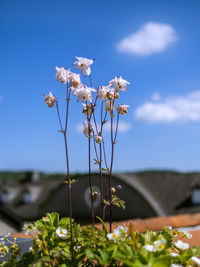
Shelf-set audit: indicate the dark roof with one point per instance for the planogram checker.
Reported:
(168, 189)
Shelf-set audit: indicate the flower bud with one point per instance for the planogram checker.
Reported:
(109, 106)
(75, 80)
(110, 94)
(116, 95)
(113, 189)
(50, 100)
(87, 131)
(98, 139)
(87, 109)
(122, 109)
(119, 186)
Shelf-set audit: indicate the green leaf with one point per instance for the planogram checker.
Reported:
(104, 226)
(163, 261)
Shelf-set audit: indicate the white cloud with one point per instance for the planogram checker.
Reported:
(150, 38)
(156, 97)
(122, 127)
(172, 109)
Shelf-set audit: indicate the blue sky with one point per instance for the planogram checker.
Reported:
(153, 44)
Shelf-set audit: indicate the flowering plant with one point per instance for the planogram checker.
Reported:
(107, 95)
(95, 247)
(62, 242)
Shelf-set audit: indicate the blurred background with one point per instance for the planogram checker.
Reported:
(152, 44)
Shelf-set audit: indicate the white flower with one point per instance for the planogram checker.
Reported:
(149, 248)
(61, 232)
(62, 75)
(176, 265)
(169, 228)
(103, 91)
(159, 244)
(109, 106)
(196, 260)
(122, 230)
(75, 79)
(186, 234)
(117, 233)
(122, 109)
(83, 64)
(98, 139)
(7, 235)
(31, 249)
(173, 254)
(86, 129)
(50, 100)
(119, 84)
(83, 93)
(181, 245)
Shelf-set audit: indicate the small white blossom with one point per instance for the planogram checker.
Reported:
(31, 249)
(86, 129)
(98, 139)
(149, 248)
(196, 260)
(61, 232)
(83, 64)
(117, 233)
(122, 229)
(186, 234)
(176, 265)
(83, 93)
(109, 106)
(119, 84)
(50, 100)
(62, 75)
(7, 235)
(122, 109)
(159, 244)
(181, 245)
(169, 228)
(173, 254)
(75, 80)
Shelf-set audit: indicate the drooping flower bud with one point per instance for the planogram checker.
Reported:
(98, 139)
(109, 106)
(113, 189)
(116, 95)
(87, 130)
(50, 100)
(122, 109)
(75, 79)
(87, 109)
(111, 94)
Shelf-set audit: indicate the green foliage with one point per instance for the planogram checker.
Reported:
(94, 247)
